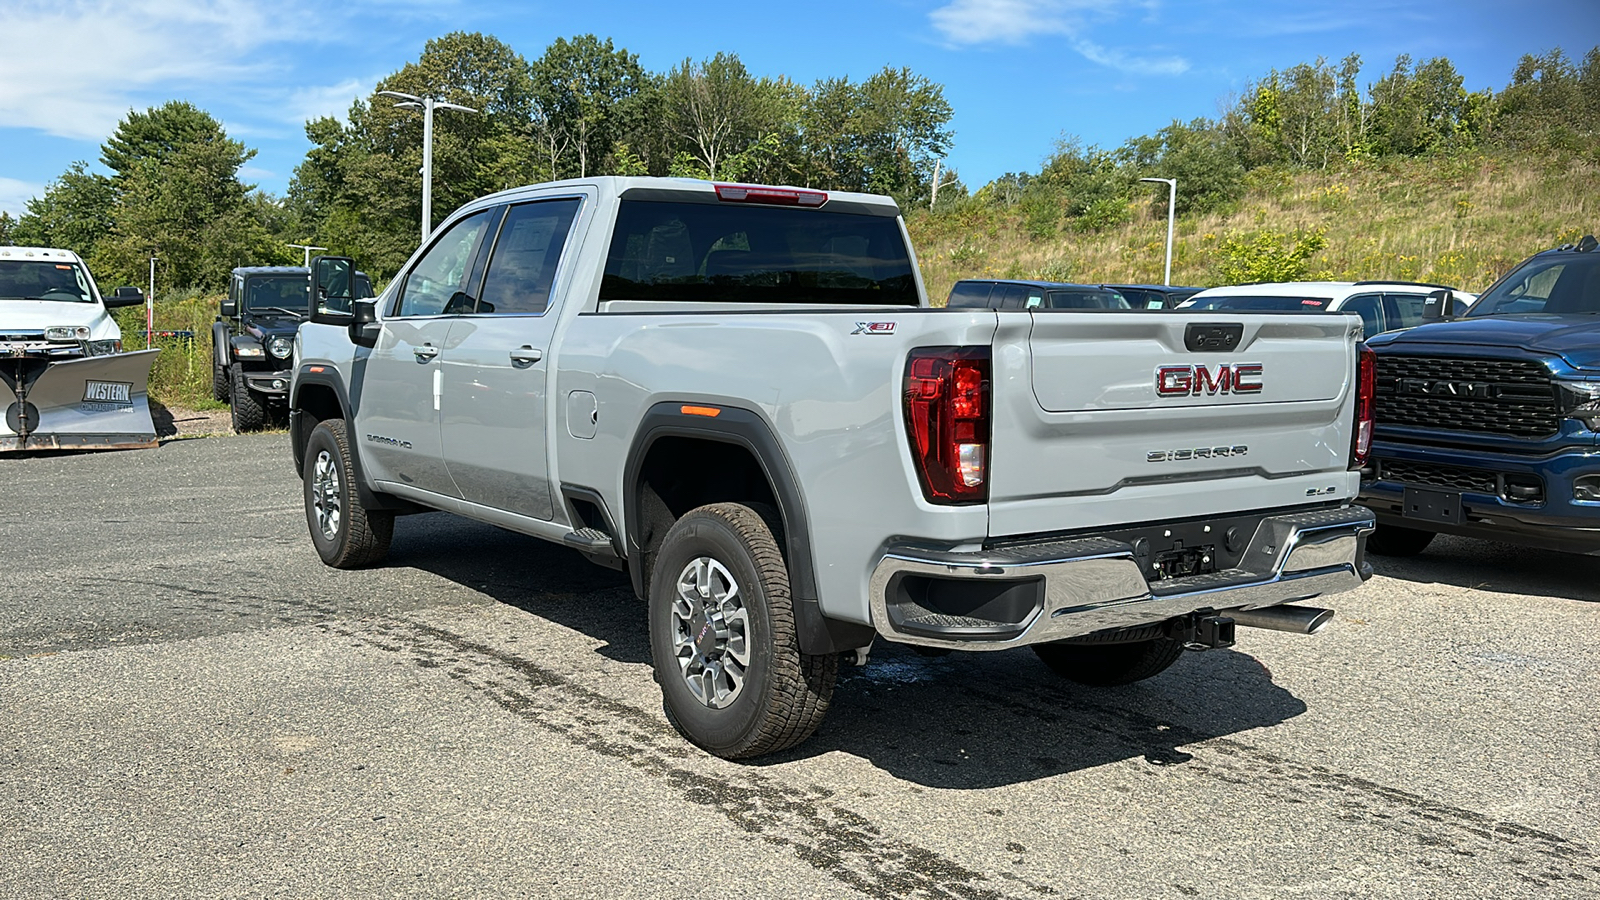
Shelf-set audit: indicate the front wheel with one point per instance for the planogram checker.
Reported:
(248, 412)
(346, 534)
(723, 638)
(1110, 665)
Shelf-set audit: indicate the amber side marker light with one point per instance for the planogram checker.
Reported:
(710, 411)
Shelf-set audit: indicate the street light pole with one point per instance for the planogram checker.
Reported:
(1172, 206)
(427, 105)
(307, 248)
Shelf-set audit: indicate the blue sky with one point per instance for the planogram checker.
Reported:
(1019, 73)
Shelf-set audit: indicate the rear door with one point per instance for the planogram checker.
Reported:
(1144, 418)
(494, 369)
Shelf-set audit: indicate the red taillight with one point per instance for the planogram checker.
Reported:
(947, 421)
(746, 193)
(1366, 391)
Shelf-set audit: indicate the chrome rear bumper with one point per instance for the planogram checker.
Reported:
(1034, 593)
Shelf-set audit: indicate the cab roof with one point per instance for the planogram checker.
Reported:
(50, 253)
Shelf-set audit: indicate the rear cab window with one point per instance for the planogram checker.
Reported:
(710, 252)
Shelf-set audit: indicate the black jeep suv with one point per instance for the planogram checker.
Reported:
(253, 340)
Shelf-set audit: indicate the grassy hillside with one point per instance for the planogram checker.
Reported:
(1462, 222)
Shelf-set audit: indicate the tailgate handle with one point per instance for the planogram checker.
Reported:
(1215, 337)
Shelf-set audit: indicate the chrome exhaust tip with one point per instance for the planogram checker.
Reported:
(1294, 619)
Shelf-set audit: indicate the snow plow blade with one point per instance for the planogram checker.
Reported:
(91, 403)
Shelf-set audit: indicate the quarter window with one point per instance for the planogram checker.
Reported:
(1368, 308)
(435, 285)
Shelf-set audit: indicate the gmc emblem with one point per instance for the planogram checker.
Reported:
(1192, 381)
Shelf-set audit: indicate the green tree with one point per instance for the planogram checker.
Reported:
(74, 213)
(1420, 109)
(157, 133)
(1199, 155)
(359, 189)
(8, 229)
(882, 135)
(584, 93)
(728, 124)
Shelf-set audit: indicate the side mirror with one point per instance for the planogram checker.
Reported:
(125, 296)
(364, 326)
(333, 283)
(1439, 307)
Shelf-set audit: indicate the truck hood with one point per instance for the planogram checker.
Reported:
(37, 315)
(1575, 338)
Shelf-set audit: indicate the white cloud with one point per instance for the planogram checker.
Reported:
(71, 68)
(314, 102)
(972, 22)
(15, 194)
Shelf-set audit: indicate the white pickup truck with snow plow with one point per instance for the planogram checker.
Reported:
(68, 384)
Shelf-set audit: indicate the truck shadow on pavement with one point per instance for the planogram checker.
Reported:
(1498, 568)
(961, 721)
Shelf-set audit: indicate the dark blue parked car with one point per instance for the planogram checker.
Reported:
(1488, 426)
(1021, 294)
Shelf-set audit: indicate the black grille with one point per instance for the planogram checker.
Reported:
(1491, 396)
(1426, 475)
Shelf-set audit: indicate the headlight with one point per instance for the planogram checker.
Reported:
(280, 347)
(67, 333)
(104, 348)
(251, 351)
(1583, 402)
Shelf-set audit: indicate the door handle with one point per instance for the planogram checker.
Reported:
(525, 356)
(425, 352)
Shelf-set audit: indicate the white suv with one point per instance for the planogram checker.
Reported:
(1382, 305)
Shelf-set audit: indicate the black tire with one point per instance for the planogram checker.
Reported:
(785, 693)
(219, 383)
(1395, 540)
(1110, 665)
(359, 536)
(249, 413)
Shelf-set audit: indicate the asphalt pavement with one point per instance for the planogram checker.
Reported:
(191, 705)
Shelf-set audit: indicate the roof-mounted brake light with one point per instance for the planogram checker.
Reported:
(744, 193)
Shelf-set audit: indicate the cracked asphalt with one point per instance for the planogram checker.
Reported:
(191, 705)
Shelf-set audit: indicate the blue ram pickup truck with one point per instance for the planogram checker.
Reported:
(1488, 426)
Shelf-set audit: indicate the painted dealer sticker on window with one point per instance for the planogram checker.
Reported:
(108, 391)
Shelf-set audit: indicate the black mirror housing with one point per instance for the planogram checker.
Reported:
(1439, 307)
(127, 295)
(333, 289)
(363, 319)
(229, 309)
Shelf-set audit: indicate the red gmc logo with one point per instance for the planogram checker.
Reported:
(1192, 381)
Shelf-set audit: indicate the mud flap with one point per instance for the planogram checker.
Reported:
(96, 402)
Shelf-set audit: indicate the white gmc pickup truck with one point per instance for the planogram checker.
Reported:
(739, 395)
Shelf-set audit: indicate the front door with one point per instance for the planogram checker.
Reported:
(495, 366)
(397, 418)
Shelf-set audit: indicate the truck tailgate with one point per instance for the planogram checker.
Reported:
(1116, 412)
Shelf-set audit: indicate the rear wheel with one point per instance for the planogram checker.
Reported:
(723, 638)
(346, 534)
(1395, 540)
(249, 413)
(1109, 665)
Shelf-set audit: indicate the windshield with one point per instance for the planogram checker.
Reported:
(1260, 304)
(1568, 283)
(285, 292)
(27, 279)
(734, 253)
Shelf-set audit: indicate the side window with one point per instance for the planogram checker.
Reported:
(1403, 310)
(1010, 296)
(1032, 298)
(970, 294)
(1366, 306)
(523, 266)
(434, 285)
